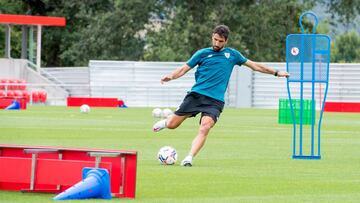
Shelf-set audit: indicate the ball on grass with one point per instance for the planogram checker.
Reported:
(84, 108)
(157, 113)
(166, 113)
(167, 155)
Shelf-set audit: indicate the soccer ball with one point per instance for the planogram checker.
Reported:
(84, 108)
(167, 155)
(166, 113)
(157, 113)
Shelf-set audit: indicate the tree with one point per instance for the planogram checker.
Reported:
(166, 30)
(267, 23)
(343, 10)
(11, 7)
(97, 29)
(346, 48)
(115, 35)
(59, 43)
(258, 28)
(182, 31)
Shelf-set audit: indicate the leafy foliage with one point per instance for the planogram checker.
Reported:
(11, 7)
(166, 30)
(258, 28)
(344, 10)
(112, 35)
(346, 48)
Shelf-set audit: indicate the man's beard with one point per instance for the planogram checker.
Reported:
(216, 48)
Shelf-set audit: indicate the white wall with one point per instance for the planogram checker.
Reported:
(18, 69)
(138, 83)
(13, 68)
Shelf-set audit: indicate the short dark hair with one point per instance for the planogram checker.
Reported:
(222, 30)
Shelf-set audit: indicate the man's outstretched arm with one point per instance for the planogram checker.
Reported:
(264, 69)
(176, 73)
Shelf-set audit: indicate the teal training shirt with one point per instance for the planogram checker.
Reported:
(214, 70)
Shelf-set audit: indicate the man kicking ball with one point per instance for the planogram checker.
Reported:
(214, 67)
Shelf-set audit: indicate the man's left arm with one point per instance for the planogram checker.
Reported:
(264, 69)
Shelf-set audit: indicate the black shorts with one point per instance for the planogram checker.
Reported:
(195, 103)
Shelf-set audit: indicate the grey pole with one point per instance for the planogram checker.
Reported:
(24, 42)
(8, 41)
(38, 49)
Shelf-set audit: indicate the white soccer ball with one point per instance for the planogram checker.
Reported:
(84, 108)
(167, 155)
(157, 113)
(166, 113)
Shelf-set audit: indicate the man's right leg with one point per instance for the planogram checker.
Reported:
(206, 124)
(171, 122)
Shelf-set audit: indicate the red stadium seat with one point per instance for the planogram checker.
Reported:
(15, 86)
(18, 94)
(1, 84)
(2, 94)
(22, 84)
(11, 86)
(42, 96)
(35, 96)
(10, 94)
(26, 95)
(2, 81)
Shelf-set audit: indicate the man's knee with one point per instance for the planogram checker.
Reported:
(206, 123)
(205, 127)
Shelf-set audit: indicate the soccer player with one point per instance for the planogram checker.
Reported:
(214, 67)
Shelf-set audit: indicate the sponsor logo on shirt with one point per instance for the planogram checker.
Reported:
(227, 55)
(210, 55)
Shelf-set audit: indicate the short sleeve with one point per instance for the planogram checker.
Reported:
(240, 59)
(195, 59)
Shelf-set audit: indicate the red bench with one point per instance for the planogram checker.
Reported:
(55, 169)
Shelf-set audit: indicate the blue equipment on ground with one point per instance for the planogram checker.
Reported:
(95, 184)
(15, 105)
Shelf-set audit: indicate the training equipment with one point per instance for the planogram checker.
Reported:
(166, 113)
(167, 155)
(285, 117)
(84, 108)
(15, 105)
(55, 169)
(7, 102)
(307, 61)
(157, 113)
(95, 184)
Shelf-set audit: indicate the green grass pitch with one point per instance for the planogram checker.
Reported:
(247, 157)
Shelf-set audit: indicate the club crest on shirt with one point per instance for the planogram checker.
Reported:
(227, 55)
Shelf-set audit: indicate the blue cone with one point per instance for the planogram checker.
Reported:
(95, 184)
(15, 105)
